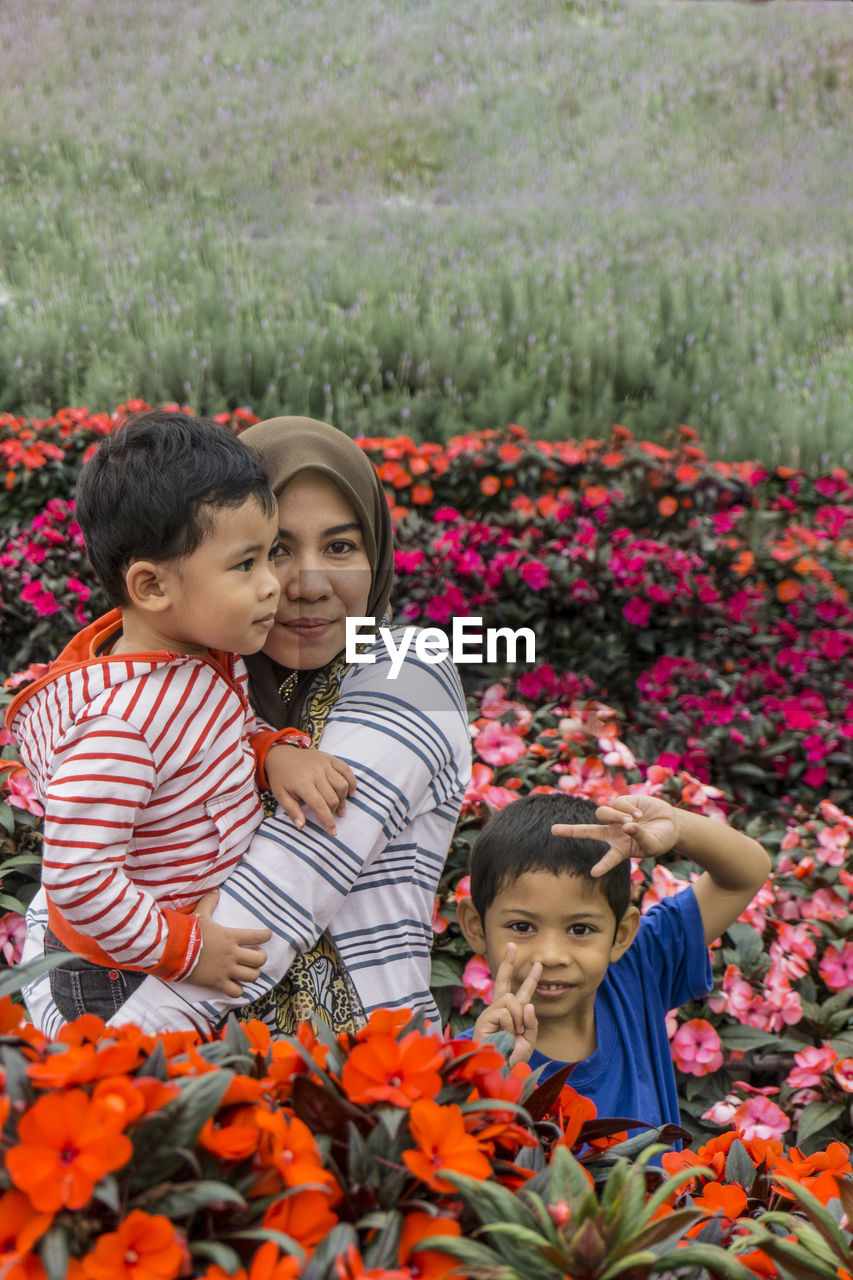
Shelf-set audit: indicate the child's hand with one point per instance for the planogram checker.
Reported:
(319, 780)
(635, 826)
(228, 957)
(512, 1012)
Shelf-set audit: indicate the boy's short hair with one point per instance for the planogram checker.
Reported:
(142, 494)
(518, 839)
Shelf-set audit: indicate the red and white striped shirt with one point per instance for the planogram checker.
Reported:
(146, 769)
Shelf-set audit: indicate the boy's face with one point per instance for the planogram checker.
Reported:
(564, 923)
(224, 595)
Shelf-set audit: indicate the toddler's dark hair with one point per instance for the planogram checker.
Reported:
(143, 494)
(518, 839)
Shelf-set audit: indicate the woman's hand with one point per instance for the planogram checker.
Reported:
(635, 826)
(512, 1011)
(318, 780)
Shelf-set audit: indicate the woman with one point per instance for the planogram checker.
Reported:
(364, 896)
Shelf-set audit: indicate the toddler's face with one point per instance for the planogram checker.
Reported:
(564, 923)
(224, 595)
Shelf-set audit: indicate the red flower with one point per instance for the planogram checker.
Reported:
(383, 1069)
(443, 1144)
(68, 1142)
(144, 1247)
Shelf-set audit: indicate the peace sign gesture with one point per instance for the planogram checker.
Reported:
(635, 826)
(512, 1011)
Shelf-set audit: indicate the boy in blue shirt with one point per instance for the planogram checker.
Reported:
(580, 976)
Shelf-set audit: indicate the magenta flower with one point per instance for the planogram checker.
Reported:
(637, 612)
(696, 1048)
(43, 601)
(535, 574)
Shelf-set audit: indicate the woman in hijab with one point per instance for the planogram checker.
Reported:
(350, 913)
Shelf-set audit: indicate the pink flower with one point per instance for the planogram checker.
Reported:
(439, 924)
(696, 1048)
(811, 1064)
(535, 574)
(637, 612)
(843, 1072)
(477, 981)
(13, 930)
(758, 1117)
(664, 885)
(20, 793)
(481, 792)
(496, 744)
(836, 967)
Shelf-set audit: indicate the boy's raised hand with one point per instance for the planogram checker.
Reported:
(512, 1012)
(229, 958)
(635, 826)
(313, 777)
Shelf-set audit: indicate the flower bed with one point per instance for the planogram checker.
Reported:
(694, 632)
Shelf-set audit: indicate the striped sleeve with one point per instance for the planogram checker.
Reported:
(103, 778)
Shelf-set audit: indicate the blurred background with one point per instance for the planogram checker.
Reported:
(419, 216)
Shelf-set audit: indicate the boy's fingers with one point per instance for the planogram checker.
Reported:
(581, 830)
(206, 903)
(291, 807)
(530, 983)
(503, 977)
(610, 860)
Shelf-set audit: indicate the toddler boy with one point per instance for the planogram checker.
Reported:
(580, 977)
(140, 740)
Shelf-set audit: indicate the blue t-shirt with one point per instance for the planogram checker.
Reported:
(631, 1073)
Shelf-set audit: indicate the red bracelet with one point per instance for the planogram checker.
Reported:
(292, 738)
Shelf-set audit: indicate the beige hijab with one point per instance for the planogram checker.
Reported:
(288, 446)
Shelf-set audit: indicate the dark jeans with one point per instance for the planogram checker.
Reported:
(80, 986)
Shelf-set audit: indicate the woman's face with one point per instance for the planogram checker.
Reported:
(323, 569)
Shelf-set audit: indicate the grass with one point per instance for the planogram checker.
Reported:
(422, 215)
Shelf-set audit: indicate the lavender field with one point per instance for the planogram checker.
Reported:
(420, 216)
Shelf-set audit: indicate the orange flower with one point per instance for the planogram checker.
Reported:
(668, 506)
(269, 1264)
(427, 1264)
(144, 1247)
(730, 1199)
(422, 494)
(443, 1143)
(135, 1096)
(572, 1110)
(490, 485)
(383, 1069)
(290, 1147)
(11, 1015)
(235, 1138)
(788, 590)
(80, 1064)
(67, 1143)
(20, 1227)
(305, 1216)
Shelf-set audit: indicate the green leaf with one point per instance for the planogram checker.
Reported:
(739, 1167)
(198, 1100)
(746, 1038)
(320, 1266)
(7, 819)
(55, 1253)
(816, 1116)
(18, 976)
(721, 1264)
(182, 1200)
(215, 1251)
